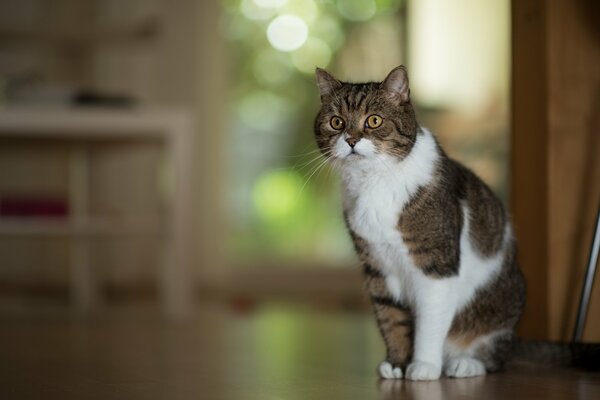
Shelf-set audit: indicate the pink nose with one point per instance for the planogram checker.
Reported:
(352, 141)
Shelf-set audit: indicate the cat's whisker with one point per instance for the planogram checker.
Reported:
(308, 146)
(331, 168)
(306, 164)
(303, 154)
(312, 174)
(336, 165)
(315, 167)
(326, 166)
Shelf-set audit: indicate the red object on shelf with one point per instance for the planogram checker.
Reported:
(29, 206)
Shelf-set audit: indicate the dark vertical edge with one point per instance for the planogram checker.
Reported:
(529, 158)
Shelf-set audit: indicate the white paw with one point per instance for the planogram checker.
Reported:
(464, 367)
(423, 371)
(387, 371)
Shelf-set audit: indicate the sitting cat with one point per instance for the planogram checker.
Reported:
(436, 244)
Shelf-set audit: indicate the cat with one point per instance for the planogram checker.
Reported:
(436, 244)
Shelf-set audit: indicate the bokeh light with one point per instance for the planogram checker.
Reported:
(314, 53)
(329, 30)
(357, 10)
(387, 6)
(305, 9)
(272, 67)
(253, 9)
(270, 3)
(239, 28)
(264, 110)
(287, 32)
(277, 195)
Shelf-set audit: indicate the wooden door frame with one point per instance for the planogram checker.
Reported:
(555, 136)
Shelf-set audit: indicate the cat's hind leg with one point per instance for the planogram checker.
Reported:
(496, 350)
(486, 353)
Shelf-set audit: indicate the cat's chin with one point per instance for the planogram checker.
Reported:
(353, 159)
(354, 156)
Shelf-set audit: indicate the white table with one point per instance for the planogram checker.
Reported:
(173, 129)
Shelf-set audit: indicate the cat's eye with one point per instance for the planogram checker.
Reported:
(337, 123)
(374, 121)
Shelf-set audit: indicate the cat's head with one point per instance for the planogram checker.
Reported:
(362, 121)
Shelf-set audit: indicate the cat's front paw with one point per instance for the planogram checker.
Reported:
(423, 371)
(388, 371)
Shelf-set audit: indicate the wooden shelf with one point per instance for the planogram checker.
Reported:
(36, 226)
(173, 128)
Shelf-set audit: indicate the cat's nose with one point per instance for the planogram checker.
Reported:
(352, 141)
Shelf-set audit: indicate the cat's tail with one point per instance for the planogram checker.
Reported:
(575, 354)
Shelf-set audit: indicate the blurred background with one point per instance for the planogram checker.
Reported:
(161, 153)
(243, 73)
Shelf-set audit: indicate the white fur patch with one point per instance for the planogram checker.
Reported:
(392, 282)
(423, 371)
(476, 270)
(464, 367)
(387, 371)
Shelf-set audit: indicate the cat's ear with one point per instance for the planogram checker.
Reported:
(326, 83)
(396, 84)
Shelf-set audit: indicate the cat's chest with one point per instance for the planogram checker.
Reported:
(374, 207)
(373, 213)
(375, 218)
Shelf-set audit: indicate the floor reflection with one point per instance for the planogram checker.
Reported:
(444, 389)
(273, 352)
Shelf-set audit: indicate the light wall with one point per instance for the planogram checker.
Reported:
(461, 52)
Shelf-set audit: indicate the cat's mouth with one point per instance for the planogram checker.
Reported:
(354, 154)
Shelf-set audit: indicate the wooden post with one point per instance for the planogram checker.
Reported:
(555, 142)
(529, 163)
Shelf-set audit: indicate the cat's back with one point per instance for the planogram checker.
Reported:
(488, 221)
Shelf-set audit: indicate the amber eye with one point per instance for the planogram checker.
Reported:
(374, 121)
(337, 123)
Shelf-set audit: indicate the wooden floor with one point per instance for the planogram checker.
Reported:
(274, 352)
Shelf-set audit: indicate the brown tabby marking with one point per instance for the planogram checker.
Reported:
(393, 319)
(436, 251)
(487, 216)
